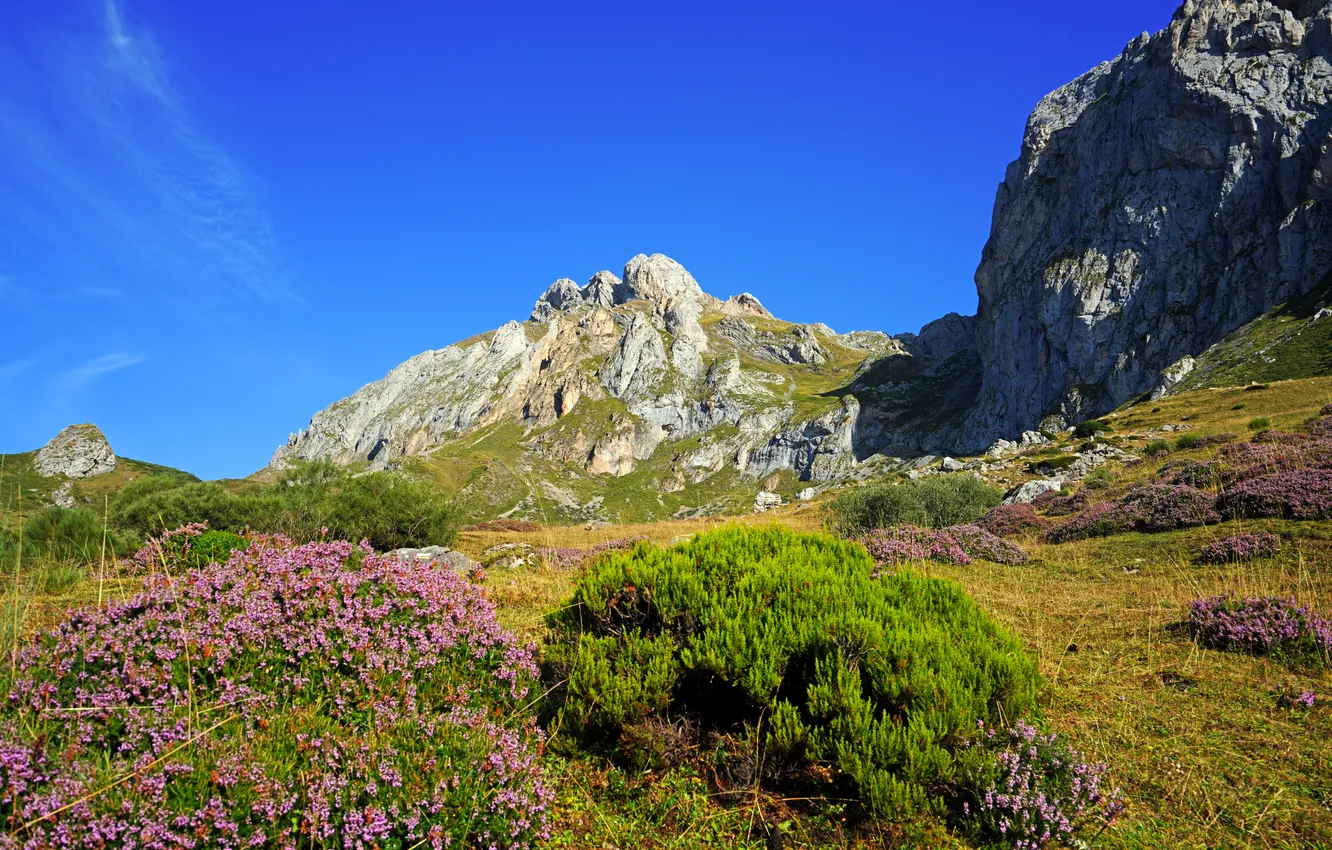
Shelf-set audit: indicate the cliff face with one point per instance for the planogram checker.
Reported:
(646, 370)
(1160, 201)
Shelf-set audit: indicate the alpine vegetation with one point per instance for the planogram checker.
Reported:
(296, 696)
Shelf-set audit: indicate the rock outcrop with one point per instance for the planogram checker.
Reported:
(79, 451)
(1160, 201)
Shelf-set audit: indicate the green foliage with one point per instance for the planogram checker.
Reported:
(1156, 448)
(215, 547)
(1259, 423)
(1185, 441)
(936, 502)
(72, 536)
(1100, 478)
(788, 641)
(309, 501)
(1091, 428)
(1050, 464)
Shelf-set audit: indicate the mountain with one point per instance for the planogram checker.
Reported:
(1167, 224)
(1162, 200)
(644, 374)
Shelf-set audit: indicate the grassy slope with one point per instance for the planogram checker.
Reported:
(23, 490)
(1200, 740)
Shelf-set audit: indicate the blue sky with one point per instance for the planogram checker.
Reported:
(216, 218)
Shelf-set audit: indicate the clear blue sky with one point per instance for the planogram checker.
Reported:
(216, 218)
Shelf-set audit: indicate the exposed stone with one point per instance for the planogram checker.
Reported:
(63, 496)
(1323, 313)
(766, 500)
(948, 464)
(1172, 375)
(1027, 493)
(79, 451)
(1161, 200)
(744, 304)
(561, 295)
(806, 494)
(442, 555)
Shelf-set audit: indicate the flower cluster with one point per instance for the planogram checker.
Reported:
(1244, 546)
(1297, 494)
(297, 696)
(1029, 789)
(1261, 626)
(568, 558)
(1055, 503)
(1013, 520)
(958, 544)
(978, 542)
(1151, 507)
(1200, 475)
(165, 550)
(906, 543)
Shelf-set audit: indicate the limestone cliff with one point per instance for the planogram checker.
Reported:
(1160, 201)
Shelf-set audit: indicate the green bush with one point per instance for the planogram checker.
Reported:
(1091, 428)
(72, 536)
(1051, 464)
(1259, 423)
(936, 502)
(785, 644)
(310, 501)
(215, 547)
(1157, 448)
(1185, 441)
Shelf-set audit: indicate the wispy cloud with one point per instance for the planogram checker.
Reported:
(106, 158)
(81, 376)
(14, 368)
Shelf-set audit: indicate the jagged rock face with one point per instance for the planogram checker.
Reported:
(1160, 201)
(607, 375)
(79, 451)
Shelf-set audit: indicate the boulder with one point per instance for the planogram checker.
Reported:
(766, 500)
(1027, 493)
(79, 451)
(442, 555)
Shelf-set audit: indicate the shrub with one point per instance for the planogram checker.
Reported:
(1298, 494)
(1164, 507)
(1063, 504)
(1206, 442)
(215, 547)
(1326, 410)
(1099, 479)
(1240, 406)
(904, 544)
(1200, 475)
(1046, 465)
(1261, 626)
(1150, 507)
(790, 638)
(521, 525)
(71, 535)
(1091, 428)
(1320, 428)
(1259, 423)
(1186, 441)
(1245, 546)
(1157, 448)
(299, 696)
(937, 502)
(979, 543)
(1099, 520)
(570, 558)
(1029, 790)
(1013, 520)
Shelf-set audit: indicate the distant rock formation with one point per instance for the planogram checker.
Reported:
(1161, 200)
(79, 451)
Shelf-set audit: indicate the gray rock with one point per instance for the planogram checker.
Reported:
(766, 501)
(1027, 493)
(948, 464)
(442, 555)
(1322, 313)
(744, 304)
(63, 497)
(806, 494)
(1160, 201)
(1172, 375)
(79, 451)
(603, 290)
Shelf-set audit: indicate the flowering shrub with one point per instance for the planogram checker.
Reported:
(1162, 507)
(1262, 626)
(1012, 520)
(1320, 428)
(169, 548)
(1244, 546)
(1064, 505)
(977, 542)
(1029, 789)
(1151, 507)
(298, 696)
(1326, 410)
(1100, 520)
(1280, 438)
(906, 543)
(1300, 494)
(1197, 474)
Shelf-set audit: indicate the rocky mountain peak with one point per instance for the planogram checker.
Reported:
(79, 451)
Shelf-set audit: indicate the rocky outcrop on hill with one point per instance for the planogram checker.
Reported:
(79, 451)
(1160, 201)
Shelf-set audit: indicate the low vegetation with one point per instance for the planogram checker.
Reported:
(935, 502)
